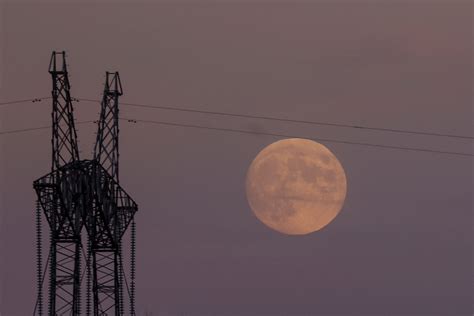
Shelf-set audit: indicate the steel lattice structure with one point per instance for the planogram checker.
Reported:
(84, 193)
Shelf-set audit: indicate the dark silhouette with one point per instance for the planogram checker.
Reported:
(84, 193)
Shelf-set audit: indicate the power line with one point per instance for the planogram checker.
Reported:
(252, 132)
(24, 101)
(416, 149)
(15, 131)
(270, 118)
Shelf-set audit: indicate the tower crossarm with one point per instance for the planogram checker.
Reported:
(65, 196)
(113, 204)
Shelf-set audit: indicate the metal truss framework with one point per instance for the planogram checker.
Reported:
(79, 193)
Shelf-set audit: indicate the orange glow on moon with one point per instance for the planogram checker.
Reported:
(296, 186)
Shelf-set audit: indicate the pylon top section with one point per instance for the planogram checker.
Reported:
(57, 64)
(113, 85)
(64, 138)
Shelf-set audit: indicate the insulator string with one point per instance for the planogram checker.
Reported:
(79, 249)
(52, 259)
(132, 267)
(39, 259)
(120, 277)
(88, 282)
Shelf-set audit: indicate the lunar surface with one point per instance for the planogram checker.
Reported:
(296, 186)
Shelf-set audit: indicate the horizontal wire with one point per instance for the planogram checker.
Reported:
(416, 149)
(270, 118)
(38, 128)
(391, 130)
(24, 101)
(252, 132)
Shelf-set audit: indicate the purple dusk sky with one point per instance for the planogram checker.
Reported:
(402, 245)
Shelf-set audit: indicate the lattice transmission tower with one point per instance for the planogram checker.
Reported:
(112, 211)
(84, 193)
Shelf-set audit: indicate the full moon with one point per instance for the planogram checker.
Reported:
(296, 186)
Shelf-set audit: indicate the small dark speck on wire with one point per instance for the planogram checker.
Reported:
(135, 121)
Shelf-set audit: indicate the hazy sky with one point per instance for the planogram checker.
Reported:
(402, 245)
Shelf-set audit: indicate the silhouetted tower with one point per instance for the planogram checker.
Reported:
(113, 210)
(61, 207)
(84, 192)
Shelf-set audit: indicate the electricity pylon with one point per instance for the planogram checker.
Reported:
(79, 193)
(61, 208)
(113, 209)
